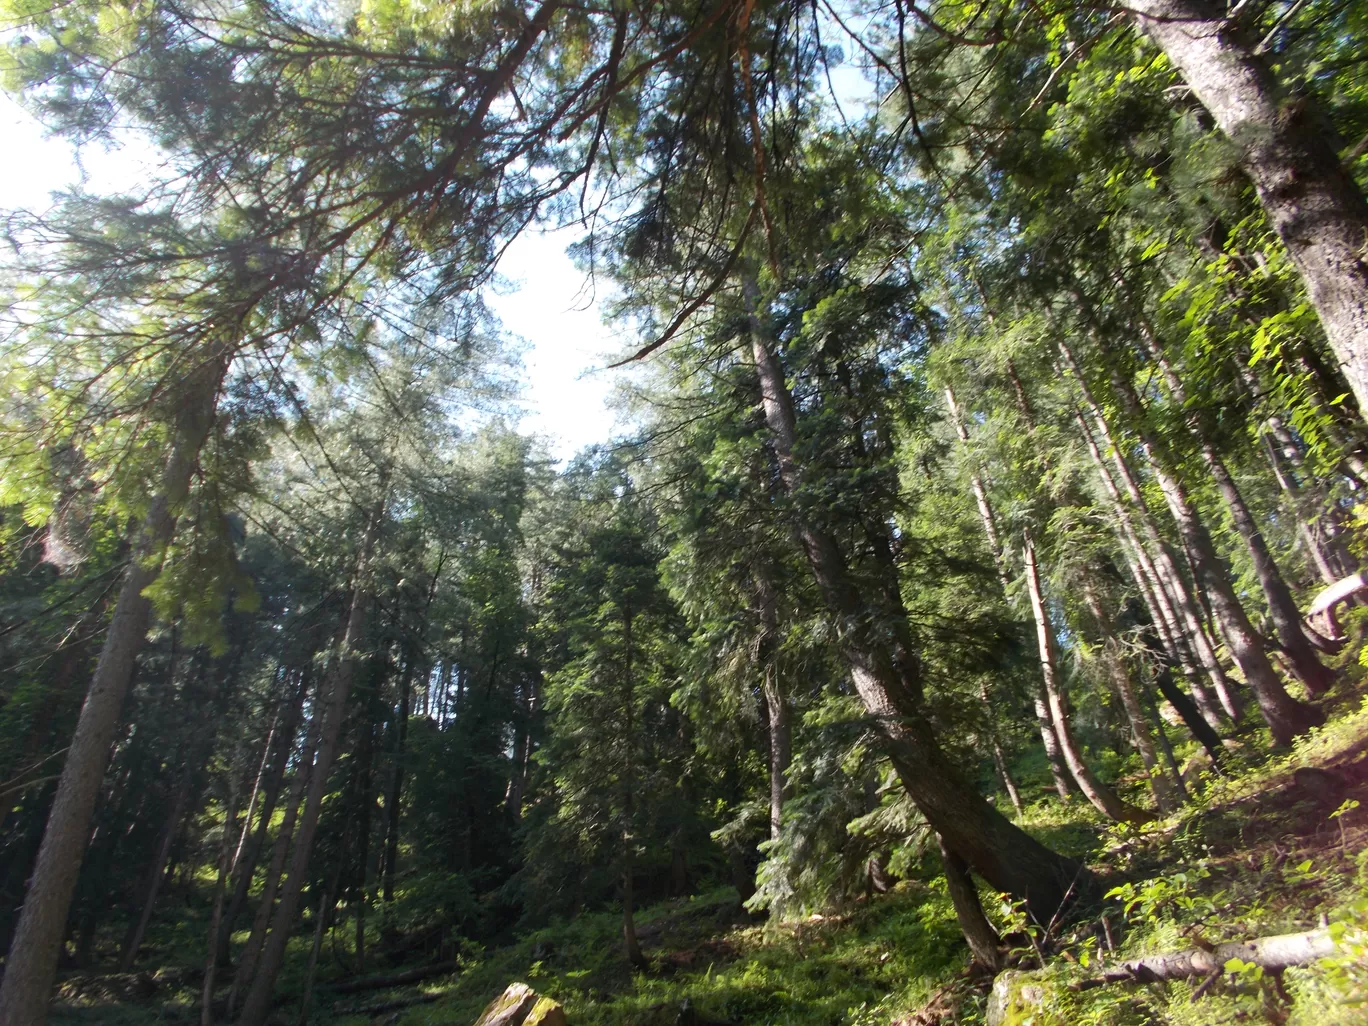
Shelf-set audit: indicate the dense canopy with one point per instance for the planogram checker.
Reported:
(979, 564)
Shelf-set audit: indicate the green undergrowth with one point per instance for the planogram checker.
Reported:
(1277, 845)
(882, 957)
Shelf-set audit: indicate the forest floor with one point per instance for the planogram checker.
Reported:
(1276, 846)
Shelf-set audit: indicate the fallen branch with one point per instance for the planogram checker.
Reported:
(1273, 954)
(388, 1006)
(423, 972)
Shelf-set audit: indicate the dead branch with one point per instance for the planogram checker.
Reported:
(1273, 954)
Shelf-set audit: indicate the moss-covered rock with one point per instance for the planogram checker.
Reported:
(1016, 997)
(511, 1008)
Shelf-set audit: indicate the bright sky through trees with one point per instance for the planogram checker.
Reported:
(546, 301)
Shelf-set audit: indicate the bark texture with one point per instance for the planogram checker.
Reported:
(1310, 199)
(1273, 954)
(257, 1003)
(31, 966)
(877, 646)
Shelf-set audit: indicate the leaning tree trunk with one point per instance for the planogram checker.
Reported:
(983, 940)
(1282, 608)
(877, 647)
(1102, 797)
(1169, 582)
(1163, 786)
(1059, 770)
(258, 1000)
(32, 963)
(1310, 199)
(1286, 717)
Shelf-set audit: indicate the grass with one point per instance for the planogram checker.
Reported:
(1256, 853)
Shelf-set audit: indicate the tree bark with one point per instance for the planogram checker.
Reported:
(984, 943)
(877, 647)
(1186, 622)
(1282, 608)
(265, 795)
(1059, 770)
(251, 952)
(257, 1003)
(1311, 201)
(1272, 954)
(1098, 794)
(31, 966)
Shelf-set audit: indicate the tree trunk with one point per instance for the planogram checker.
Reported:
(1286, 717)
(1272, 954)
(984, 943)
(1063, 782)
(779, 714)
(396, 788)
(31, 966)
(258, 1000)
(1310, 199)
(876, 645)
(1169, 582)
(156, 872)
(1098, 794)
(265, 795)
(1282, 608)
(251, 952)
(1163, 786)
(211, 958)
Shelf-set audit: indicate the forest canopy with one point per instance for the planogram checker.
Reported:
(980, 568)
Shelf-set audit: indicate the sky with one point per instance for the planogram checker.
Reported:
(545, 302)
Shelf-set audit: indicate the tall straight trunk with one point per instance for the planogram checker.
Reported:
(779, 713)
(270, 885)
(983, 940)
(1098, 794)
(396, 788)
(1311, 200)
(1169, 580)
(1004, 773)
(877, 647)
(156, 871)
(265, 794)
(1282, 608)
(1163, 787)
(258, 1000)
(31, 965)
(225, 869)
(1059, 770)
(1147, 579)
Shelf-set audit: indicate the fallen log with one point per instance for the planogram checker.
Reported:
(387, 1006)
(1272, 954)
(423, 972)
